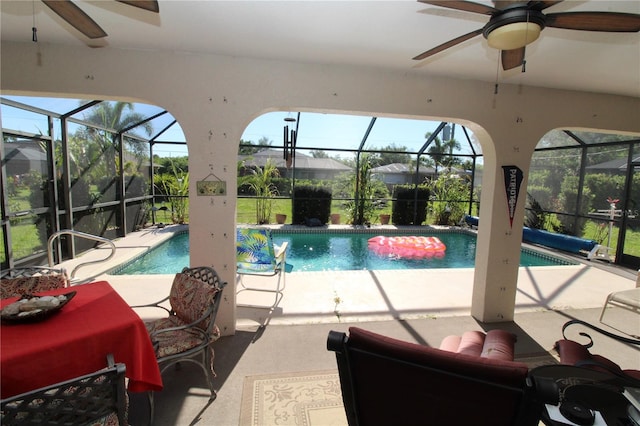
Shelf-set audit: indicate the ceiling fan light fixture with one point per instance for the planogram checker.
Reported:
(514, 35)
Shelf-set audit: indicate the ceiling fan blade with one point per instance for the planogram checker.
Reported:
(512, 58)
(466, 6)
(76, 18)
(615, 22)
(150, 5)
(448, 44)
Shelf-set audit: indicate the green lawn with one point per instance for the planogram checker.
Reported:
(25, 238)
(246, 210)
(25, 241)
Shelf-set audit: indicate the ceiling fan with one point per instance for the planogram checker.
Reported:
(78, 19)
(515, 24)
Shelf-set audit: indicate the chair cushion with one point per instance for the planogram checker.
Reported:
(495, 344)
(108, 420)
(190, 298)
(499, 344)
(12, 287)
(471, 343)
(174, 342)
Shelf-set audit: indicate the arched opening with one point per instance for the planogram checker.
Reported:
(364, 162)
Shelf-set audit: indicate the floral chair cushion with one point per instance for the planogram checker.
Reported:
(190, 298)
(177, 341)
(110, 420)
(12, 287)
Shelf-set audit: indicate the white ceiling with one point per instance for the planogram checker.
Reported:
(381, 34)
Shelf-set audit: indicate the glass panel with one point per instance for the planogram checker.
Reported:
(24, 121)
(315, 130)
(57, 105)
(3, 254)
(169, 150)
(137, 168)
(171, 134)
(138, 215)
(395, 134)
(93, 164)
(27, 174)
(595, 138)
(100, 221)
(556, 139)
(632, 231)
(547, 176)
(29, 235)
(605, 175)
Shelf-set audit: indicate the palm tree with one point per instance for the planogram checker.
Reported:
(442, 152)
(110, 117)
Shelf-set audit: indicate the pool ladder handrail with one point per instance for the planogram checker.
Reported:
(75, 233)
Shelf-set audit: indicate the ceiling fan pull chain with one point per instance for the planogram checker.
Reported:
(34, 30)
(495, 88)
(526, 41)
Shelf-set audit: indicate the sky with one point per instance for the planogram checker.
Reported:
(314, 129)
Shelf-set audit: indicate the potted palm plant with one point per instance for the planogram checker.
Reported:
(260, 180)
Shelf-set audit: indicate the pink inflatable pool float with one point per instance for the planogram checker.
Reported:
(407, 247)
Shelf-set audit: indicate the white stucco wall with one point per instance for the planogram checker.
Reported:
(215, 97)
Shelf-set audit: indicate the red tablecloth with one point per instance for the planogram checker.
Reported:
(76, 341)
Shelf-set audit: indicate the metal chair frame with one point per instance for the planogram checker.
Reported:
(81, 400)
(209, 276)
(279, 256)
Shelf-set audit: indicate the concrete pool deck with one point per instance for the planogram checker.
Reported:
(352, 296)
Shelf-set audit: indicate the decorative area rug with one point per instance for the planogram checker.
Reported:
(310, 398)
(538, 359)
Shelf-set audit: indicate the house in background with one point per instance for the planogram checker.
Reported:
(401, 174)
(24, 157)
(404, 174)
(306, 166)
(617, 166)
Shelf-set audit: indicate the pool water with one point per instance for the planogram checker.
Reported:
(333, 252)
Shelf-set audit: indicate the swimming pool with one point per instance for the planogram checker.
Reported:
(333, 251)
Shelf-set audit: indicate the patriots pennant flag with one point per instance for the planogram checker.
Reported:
(512, 181)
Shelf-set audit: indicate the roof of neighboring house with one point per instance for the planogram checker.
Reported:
(24, 151)
(400, 168)
(303, 161)
(619, 164)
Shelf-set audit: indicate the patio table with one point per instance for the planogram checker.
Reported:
(75, 341)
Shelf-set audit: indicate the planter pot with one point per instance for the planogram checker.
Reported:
(384, 219)
(281, 218)
(335, 218)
